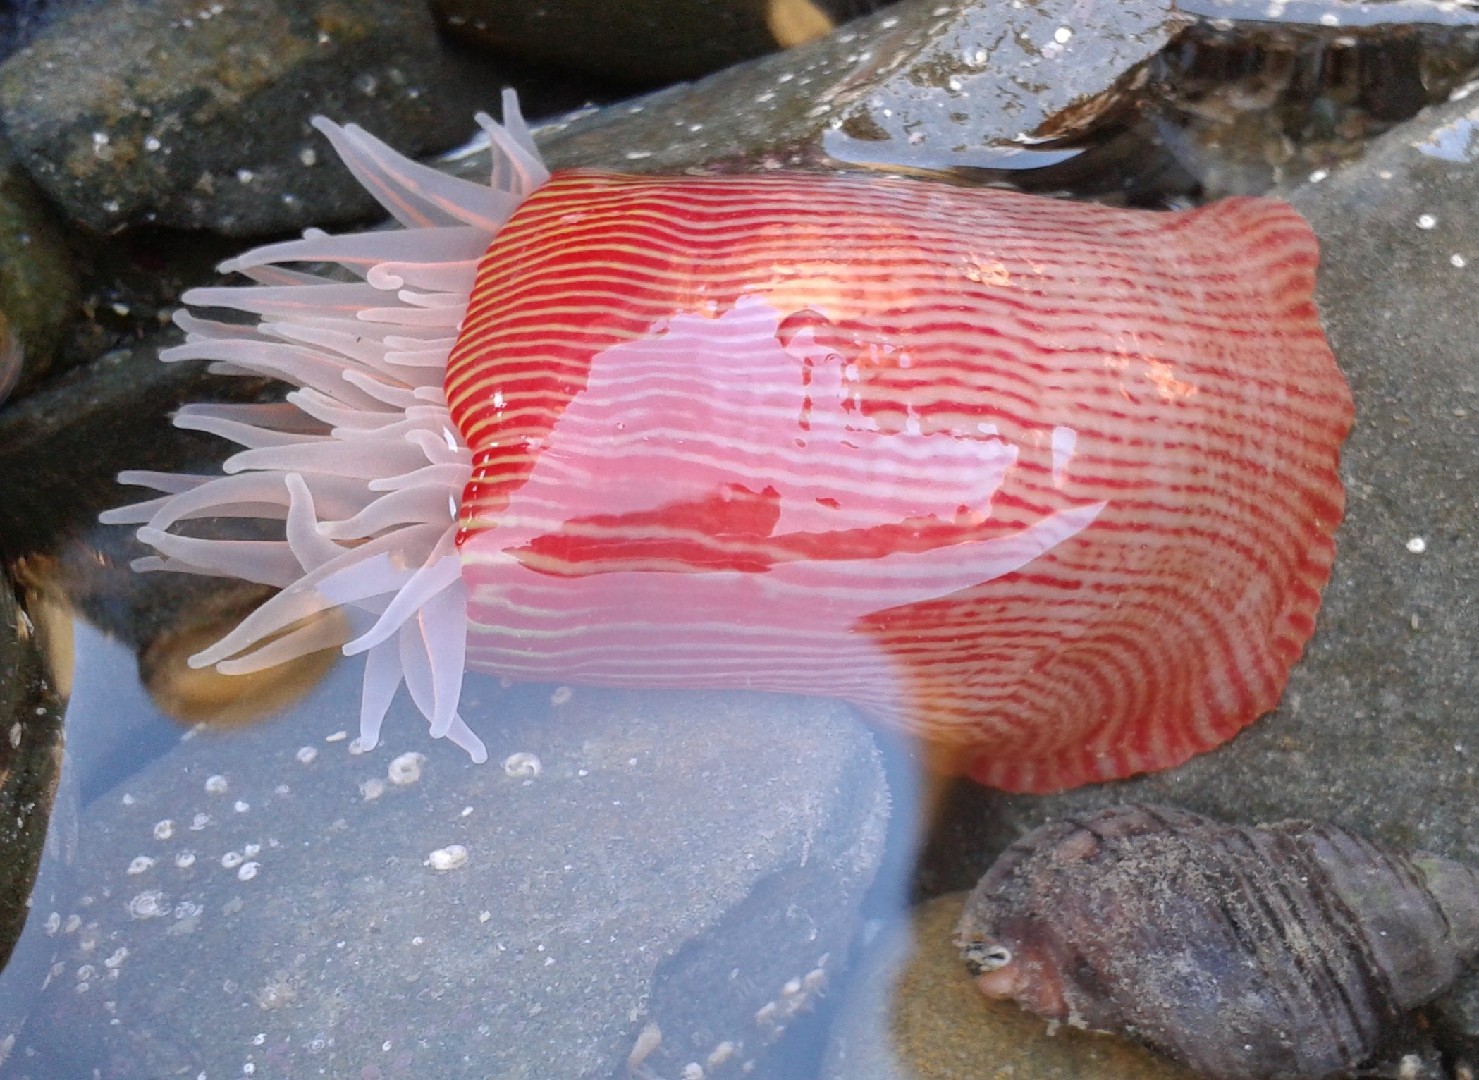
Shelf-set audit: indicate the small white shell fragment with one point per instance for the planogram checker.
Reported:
(523, 765)
(1426, 221)
(450, 857)
(163, 830)
(372, 789)
(215, 785)
(306, 755)
(561, 695)
(248, 871)
(141, 864)
(232, 859)
(148, 905)
(1417, 545)
(405, 769)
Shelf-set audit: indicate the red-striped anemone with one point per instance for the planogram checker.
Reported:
(1049, 483)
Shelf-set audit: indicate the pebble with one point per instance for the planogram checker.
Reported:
(195, 116)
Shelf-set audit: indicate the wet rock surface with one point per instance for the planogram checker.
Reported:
(33, 693)
(642, 41)
(1244, 108)
(118, 111)
(1344, 14)
(22, 20)
(663, 878)
(38, 802)
(38, 283)
(74, 437)
(915, 85)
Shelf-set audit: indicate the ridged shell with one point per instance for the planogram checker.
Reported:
(1051, 483)
(1249, 953)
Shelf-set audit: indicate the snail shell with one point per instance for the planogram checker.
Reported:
(1248, 953)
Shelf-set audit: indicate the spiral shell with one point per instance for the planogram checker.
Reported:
(1248, 953)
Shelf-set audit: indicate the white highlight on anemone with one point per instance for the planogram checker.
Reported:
(1065, 439)
(361, 464)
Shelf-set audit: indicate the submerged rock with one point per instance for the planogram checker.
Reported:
(654, 879)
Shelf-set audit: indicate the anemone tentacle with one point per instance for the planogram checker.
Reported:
(361, 463)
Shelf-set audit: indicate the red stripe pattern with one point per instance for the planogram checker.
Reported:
(1052, 484)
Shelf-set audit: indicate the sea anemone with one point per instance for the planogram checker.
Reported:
(1050, 484)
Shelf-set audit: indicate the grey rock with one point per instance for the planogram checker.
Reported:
(38, 283)
(35, 664)
(38, 809)
(1346, 14)
(653, 880)
(74, 438)
(1245, 108)
(196, 115)
(22, 20)
(641, 41)
(919, 84)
